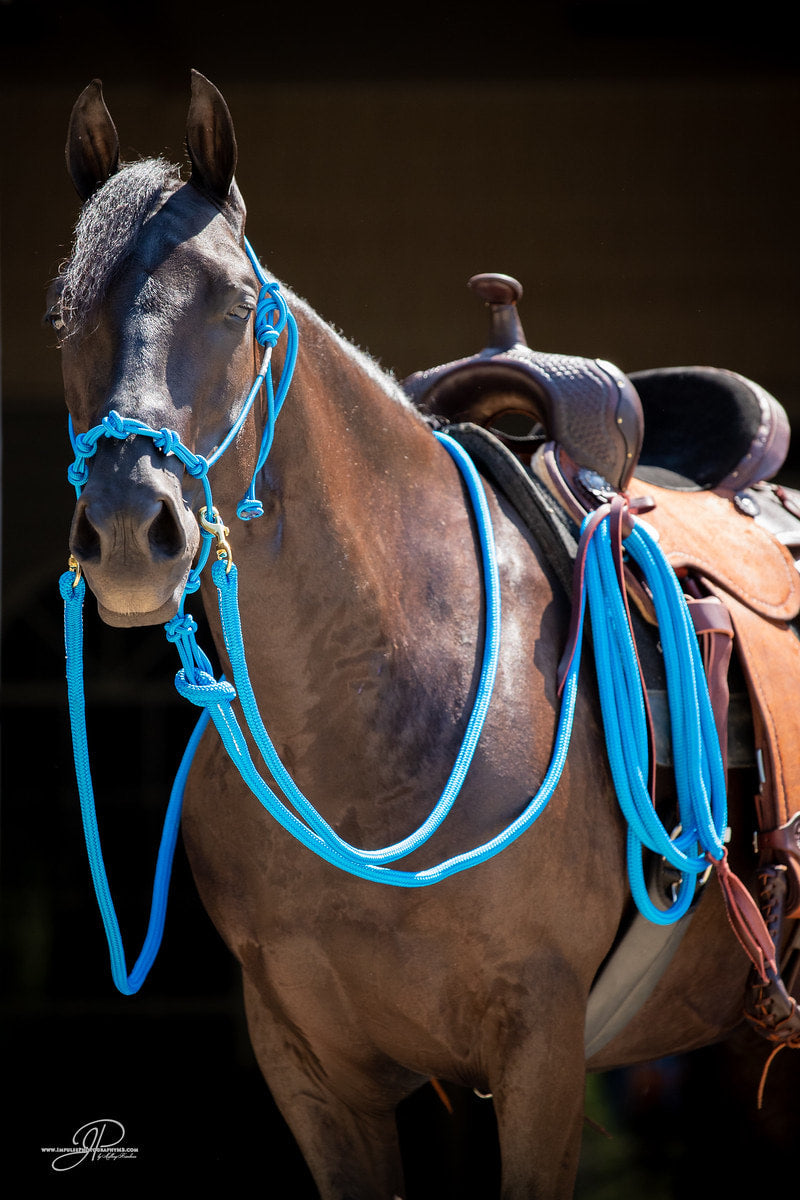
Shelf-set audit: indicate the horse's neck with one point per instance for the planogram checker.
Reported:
(365, 542)
(352, 461)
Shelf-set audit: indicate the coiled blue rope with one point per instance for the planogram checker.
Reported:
(699, 773)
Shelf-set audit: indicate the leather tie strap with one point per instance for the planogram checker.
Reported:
(714, 630)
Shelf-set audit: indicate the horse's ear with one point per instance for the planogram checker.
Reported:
(210, 140)
(92, 149)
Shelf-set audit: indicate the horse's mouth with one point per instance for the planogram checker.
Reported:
(131, 620)
(128, 608)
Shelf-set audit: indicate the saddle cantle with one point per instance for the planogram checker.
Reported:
(708, 428)
(697, 445)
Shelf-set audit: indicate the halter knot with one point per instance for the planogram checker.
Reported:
(180, 626)
(207, 690)
(168, 441)
(78, 473)
(114, 425)
(192, 583)
(85, 444)
(199, 468)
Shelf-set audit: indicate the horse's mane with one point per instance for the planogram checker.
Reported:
(107, 229)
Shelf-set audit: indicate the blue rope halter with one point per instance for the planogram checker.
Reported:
(703, 819)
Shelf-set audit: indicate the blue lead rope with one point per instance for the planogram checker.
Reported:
(73, 595)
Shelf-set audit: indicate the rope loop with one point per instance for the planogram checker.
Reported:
(70, 591)
(270, 301)
(249, 509)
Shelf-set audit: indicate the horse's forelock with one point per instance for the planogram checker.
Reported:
(106, 232)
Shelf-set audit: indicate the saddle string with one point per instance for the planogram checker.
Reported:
(702, 821)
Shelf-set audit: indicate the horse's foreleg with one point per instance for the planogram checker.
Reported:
(539, 1102)
(350, 1147)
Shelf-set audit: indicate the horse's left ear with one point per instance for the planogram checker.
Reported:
(211, 141)
(92, 149)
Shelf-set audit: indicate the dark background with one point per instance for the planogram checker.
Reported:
(635, 165)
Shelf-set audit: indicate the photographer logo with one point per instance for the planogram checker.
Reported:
(96, 1141)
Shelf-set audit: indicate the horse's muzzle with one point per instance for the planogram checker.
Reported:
(135, 541)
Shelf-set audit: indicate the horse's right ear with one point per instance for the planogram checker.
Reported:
(210, 140)
(92, 149)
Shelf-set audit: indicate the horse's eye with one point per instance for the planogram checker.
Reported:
(54, 318)
(240, 312)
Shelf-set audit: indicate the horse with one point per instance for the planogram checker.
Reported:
(364, 613)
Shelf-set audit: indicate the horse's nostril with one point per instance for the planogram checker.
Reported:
(85, 540)
(165, 535)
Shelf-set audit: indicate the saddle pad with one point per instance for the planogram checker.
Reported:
(704, 532)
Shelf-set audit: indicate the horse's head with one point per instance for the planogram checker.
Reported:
(155, 311)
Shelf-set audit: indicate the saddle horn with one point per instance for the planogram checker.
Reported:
(586, 405)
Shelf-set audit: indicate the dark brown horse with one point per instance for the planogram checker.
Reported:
(362, 605)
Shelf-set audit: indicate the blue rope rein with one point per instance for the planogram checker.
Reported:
(699, 775)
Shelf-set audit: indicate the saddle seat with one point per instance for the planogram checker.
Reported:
(692, 449)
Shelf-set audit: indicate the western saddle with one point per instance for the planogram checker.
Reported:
(694, 447)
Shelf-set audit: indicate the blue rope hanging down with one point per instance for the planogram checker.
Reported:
(73, 593)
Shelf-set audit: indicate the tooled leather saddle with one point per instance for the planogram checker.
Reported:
(696, 447)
